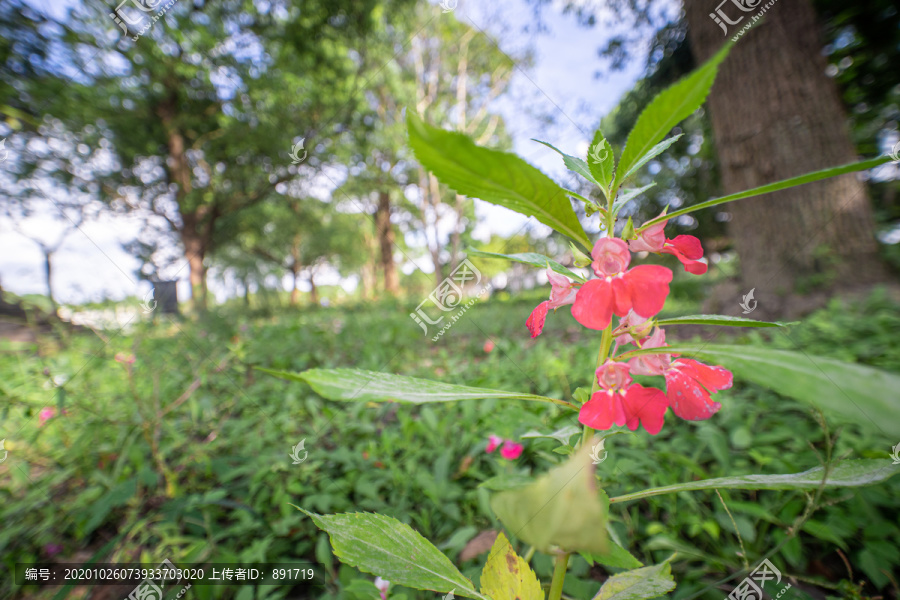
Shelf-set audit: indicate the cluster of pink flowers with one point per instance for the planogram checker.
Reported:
(509, 450)
(636, 295)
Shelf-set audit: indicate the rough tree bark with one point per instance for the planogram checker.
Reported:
(194, 240)
(195, 250)
(775, 114)
(386, 241)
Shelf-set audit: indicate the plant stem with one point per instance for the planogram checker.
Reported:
(559, 575)
(605, 344)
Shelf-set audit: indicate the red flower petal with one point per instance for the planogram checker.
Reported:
(535, 322)
(688, 399)
(687, 249)
(712, 378)
(602, 410)
(621, 296)
(594, 304)
(648, 286)
(645, 405)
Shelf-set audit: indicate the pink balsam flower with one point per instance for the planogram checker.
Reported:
(45, 415)
(618, 289)
(562, 293)
(621, 402)
(494, 442)
(686, 248)
(689, 383)
(511, 450)
(125, 358)
(382, 586)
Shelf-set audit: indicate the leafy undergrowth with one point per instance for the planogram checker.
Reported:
(185, 454)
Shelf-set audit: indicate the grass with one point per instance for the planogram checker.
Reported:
(185, 453)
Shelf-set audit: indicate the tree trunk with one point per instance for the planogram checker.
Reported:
(775, 114)
(295, 291)
(195, 253)
(313, 290)
(386, 241)
(48, 276)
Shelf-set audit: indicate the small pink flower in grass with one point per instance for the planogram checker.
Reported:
(686, 248)
(494, 442)
(45, 415)
(621, 402)
(125, 358)
(511, 450)
(488, 346)
(618, 289)
(382, 586)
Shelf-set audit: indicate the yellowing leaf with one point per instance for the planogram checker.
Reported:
(506, 575)
(562, 508)
(639, 584)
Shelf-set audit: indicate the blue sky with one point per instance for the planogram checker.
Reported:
(91, 264)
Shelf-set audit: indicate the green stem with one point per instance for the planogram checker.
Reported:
(559, 575)
(605, 344)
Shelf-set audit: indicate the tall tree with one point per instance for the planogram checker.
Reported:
(204, 105)
(775, 115)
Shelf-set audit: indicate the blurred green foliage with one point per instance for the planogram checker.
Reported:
(185, 453)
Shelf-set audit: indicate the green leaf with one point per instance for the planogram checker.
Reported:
(639, 584)
(625, 196)
(561, 435)
(500, 483)
(493, 176)
(778, 185)
(653, 153)
(358, 385)
(117, 496)
(847, 390)
(670, 107)
(573, 163)
(384, 546)
(849, 473)
(561, 508)
(601, 161)
(617, 557)
(506, 576)
(720, 320)
(530, 258)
